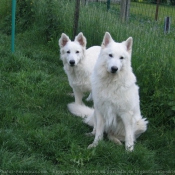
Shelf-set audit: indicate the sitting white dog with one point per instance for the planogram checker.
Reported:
(78, 63)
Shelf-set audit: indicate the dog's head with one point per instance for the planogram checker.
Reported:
(115, 56)
(72, 51)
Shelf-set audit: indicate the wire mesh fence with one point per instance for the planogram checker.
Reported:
(156, 18)
(145, 19)
(140, 11)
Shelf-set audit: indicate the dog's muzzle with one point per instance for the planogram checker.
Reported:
(114, 69)
(72, 62)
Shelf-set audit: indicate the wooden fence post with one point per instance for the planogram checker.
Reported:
(124, 10)
(76, 18)
(157, 10)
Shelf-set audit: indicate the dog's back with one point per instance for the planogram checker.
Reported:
(91, 57)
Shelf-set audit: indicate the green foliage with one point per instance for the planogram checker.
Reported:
(25, 14)
(5, 6)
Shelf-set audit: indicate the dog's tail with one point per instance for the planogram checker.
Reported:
(82, 111)
(141, 126)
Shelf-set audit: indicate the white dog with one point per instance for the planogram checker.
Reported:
(115, 94)
(78, 63)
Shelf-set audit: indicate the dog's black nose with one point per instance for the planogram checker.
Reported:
(72, 62)
(114, 69)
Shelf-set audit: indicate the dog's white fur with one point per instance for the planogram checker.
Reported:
(83, 63)
(115, 94)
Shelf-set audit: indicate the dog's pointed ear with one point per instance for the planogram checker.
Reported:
(129, 43)
(80, 38)
(107, 39)
(63, 40)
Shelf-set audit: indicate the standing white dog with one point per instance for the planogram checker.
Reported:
(115, 94)
(78, 63)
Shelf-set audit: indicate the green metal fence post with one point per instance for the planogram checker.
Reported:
(13, 25)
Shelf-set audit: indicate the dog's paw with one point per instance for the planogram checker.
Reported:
(114, 139)
(129, 148)
(93, 145)
(90, 134)
(70, 94)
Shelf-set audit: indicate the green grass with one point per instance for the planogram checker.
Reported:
(4, 5)
(39, 135)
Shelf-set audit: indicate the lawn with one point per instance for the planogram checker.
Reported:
(40, 136)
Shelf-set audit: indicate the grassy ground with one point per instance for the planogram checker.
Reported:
(39, 135)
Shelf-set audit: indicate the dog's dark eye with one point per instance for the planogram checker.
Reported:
(110, 55)
(77, 51)
(121, 58)
(68, 51)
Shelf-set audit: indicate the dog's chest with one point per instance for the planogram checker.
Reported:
(78, 77)
(114, 96)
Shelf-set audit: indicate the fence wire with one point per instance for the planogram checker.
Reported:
(141, 11)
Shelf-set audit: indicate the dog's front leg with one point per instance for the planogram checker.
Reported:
(78, 96)
(129, 137)
(99, 128)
